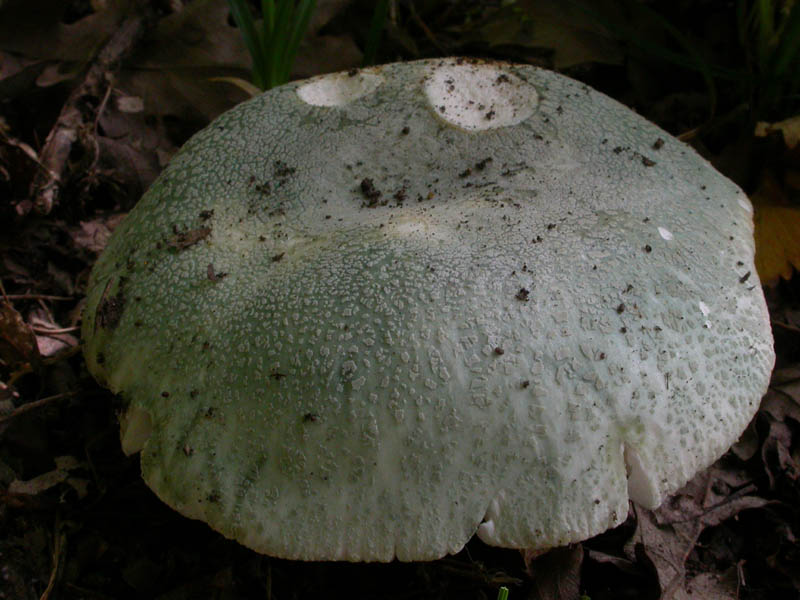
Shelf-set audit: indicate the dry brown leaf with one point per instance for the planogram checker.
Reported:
(172, 73)
(17, 341)
(665, 537)
(12, 67)
(714, 586)
(326, 54)
(790, 128)
(45, 481)
(573, 35)
(776, 454)
(179, 72)
(62, 279)
(34, 29)
(130, 104)
(779, 406)
(324, 12)
(50, 336)
(748, 443)
(557, 574)
(665, 548)
(130, 165)
(783, 398)
(777, 232)
(16, 272)
(92, 235)
(706, 500)
(623, 564)
(777, 218)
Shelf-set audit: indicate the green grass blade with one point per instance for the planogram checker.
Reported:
(300, 20)
(765, 23)
(502, 593)
(375, 31)
(278, 40)
(743, 22)
(267, 34)
(788, 51)
(699, 63)
(268, 14)
(243, 18)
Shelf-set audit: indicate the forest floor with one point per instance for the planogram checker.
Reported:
(76, 520)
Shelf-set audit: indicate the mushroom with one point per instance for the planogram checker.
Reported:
(368, 315)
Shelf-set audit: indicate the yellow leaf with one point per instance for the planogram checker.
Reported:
(777, 232)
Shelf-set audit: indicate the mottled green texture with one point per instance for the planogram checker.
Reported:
(333, 374)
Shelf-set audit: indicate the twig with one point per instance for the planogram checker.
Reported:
(98, 113)
(76, 112)
(689, 135)
(25, 408)
(425, 29)
(40, 297)
(82, 591)
(59, 540)
(48, 331)
(786, 326)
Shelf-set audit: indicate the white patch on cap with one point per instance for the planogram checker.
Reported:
(745, 204)
(665, 233)
(479, 96)
(338, 89)
(704, 308)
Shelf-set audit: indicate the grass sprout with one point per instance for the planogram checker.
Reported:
(274, 40)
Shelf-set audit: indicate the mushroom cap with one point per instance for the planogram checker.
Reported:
(370, 314)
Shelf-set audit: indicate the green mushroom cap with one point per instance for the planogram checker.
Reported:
(368, 315)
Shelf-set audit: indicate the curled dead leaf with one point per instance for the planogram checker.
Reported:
(18, 346)
(61, 474)
(790, 128)
(51, 338)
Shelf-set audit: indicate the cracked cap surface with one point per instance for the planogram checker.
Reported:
(368, 315)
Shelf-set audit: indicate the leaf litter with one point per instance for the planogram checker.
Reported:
(75, 516)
